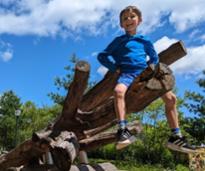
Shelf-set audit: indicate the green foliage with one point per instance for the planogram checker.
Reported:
(197, 100)
(180, 167)
(9, 103)
(132, 166)
(17, 129)
(195, 126)
(34, 119)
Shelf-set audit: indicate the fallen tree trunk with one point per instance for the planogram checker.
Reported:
(138, 97)
(89, 114)
(64, 149)
(107, 137)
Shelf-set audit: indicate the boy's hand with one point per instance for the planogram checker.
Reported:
(148, 73)
(117, 70)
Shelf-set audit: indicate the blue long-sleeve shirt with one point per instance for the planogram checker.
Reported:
(128, 53)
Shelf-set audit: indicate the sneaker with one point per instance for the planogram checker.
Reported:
(177, 143)
(124, 138)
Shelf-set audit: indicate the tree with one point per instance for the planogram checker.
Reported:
(196, 105)
(34, 118)
(9, 103)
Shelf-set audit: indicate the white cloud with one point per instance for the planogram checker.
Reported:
(46, 17)
(41, 18)
(6, 51)
(102, 70)
(194, 34)
(163, 43)
(186, 14)
(192, 64)
(6, 56)
(202, 37)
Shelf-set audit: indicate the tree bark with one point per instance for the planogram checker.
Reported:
(107, 137)
(173, 53)
(73, 98)
(90, 114)
(21, 155)
(64, 150)
(139, 95)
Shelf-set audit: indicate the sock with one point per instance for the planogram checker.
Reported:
(176, 131)
(122, 124)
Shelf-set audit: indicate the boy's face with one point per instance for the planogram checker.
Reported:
(129, 22)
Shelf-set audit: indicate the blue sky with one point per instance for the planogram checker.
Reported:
(38, 36)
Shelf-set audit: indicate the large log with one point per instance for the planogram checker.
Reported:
(138, 97)
(20, 155)
(64, 149)
(173, 53)
(89, 114)
(73, 99)
(107, 137)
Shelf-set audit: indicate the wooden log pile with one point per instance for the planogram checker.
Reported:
(85, 116)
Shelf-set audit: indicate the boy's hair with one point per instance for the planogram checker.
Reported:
(131, 9)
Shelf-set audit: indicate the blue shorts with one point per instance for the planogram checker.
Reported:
(127, 78)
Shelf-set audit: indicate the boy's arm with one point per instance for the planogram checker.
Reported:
(104, 56)
(149, 48)
(154, 58)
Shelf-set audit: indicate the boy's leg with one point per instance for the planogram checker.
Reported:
(123, 135)
(119, 93)
(170, 109)
(176, 141)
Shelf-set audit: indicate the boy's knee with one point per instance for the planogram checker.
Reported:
(119, 92)
(170, 99)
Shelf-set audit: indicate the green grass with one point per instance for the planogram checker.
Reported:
(122, 165)
(129, 166)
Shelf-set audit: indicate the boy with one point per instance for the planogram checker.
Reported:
(129, 53)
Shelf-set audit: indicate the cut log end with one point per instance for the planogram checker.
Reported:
(83, 66)
(64, 150)
(173, 53)
(163, 79)
(182, 47)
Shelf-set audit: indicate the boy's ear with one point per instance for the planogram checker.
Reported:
(140, 20)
